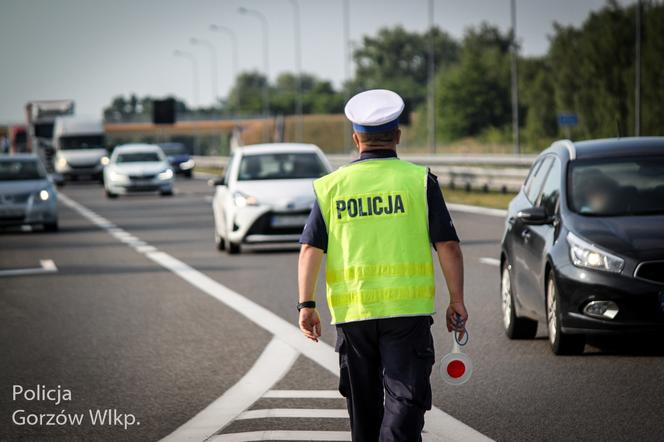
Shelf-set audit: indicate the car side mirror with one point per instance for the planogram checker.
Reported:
(216, 182)
(534, 216)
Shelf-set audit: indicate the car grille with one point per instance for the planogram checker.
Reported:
(82, 166)
(141, 177)
(651, 271)
(16, 198)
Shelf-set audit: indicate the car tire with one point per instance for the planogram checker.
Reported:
(166, 193)
(111, 195)
(219, 241)
(188, 174)
(561, 343)
(515, 327)
(51, 227)
(233, 248)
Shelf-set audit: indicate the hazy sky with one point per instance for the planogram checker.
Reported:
(92, 50)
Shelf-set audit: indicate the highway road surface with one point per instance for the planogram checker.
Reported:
(131, 310)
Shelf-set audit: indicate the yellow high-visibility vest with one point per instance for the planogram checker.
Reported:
(379, 262)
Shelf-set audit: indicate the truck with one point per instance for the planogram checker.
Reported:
(40, 120)
(80, 148)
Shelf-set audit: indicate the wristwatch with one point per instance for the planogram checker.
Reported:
(306, 304)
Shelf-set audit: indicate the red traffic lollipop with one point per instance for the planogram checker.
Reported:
(456, 367)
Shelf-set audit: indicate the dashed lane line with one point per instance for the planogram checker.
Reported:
(46, 266)
(490, 261)
(304, 394)
(327, 413)
(439, 425)
(283, 435)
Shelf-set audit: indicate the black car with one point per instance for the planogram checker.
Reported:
(181, 161)
(583, 247)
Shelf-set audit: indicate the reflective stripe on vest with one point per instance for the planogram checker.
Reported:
(379, 260)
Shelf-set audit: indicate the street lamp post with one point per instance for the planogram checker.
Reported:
(515, 83)
(432, 87)
(298, 70)
(194, 66)
(214, 62)
(266, 61)
(233, 38)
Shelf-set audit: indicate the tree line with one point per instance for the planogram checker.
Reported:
(588, 70)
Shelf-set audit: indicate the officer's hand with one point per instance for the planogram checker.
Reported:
(454, 309)
(310, 323)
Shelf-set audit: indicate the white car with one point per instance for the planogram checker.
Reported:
(266, 194)
(138, 168)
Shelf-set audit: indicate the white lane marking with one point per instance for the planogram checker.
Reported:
(477, 209)
(208, 198)
(320, 413)
(308, 394)
(439, 425)
(47, 266)
(282, 435)
(490, 261)
(275, 361)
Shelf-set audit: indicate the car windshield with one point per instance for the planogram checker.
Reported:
(617, 187)
(173, 149)
(82, 142)
(281, 166)
(138, 157)
(18, 170)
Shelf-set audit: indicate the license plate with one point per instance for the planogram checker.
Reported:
(141, 182)
(289, 220)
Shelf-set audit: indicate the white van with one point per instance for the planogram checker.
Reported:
(79, 147)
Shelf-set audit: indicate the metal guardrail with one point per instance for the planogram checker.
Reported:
(503, 173)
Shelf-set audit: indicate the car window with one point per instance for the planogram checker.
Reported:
(18, 170)
(535, 184)
(617, 186)
(280, 166)
(551, 189)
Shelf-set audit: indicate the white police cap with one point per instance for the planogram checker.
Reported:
(375, 110)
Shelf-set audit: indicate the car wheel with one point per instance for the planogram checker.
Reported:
(188, 174)
(111, 195)
(233, 248)
(219, 241)
(51, 227)
(166, 193)
(561, 343)
(515, 327)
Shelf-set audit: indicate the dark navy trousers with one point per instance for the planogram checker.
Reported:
(385, 370)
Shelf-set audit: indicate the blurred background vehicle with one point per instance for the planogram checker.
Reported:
(138, 168)
(40, 118)
(27, 195)
(583, 248)
(18, 139)
(179, 158)
(79, 145)
(266, 194)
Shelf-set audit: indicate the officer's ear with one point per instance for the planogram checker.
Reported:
(356, 140)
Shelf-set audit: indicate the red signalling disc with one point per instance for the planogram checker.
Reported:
(456, 369)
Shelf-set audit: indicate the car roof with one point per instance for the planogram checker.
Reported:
(255, 149)
(137, 147)
(19, 156)
(608, 147)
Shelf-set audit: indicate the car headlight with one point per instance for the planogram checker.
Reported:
(43, 195)
(584, 254)
(242, 200)
(186, 165)
(62, 162)
(104, 160)
(166, 174)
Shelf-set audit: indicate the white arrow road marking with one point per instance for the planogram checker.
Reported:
(307, 394)
(490, 261)
(282, 435)
(47, 266)
(331, 413)
(275, 361)
(438, 424)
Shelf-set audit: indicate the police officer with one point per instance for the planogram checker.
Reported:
(375, 218)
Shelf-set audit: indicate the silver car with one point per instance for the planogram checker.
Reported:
(27, 195)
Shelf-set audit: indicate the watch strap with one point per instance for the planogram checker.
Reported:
(306, 304)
